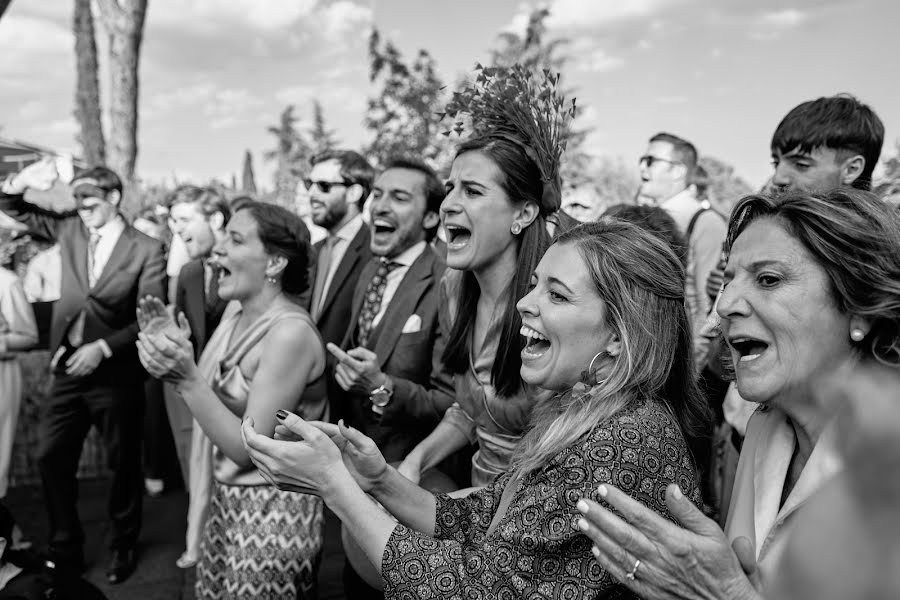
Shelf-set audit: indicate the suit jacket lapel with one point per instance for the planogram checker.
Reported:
(79, 255)
(195, 300)
(349, 260)
(412, 287)
(122, 254)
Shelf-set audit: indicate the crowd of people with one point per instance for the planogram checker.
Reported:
(497, 398)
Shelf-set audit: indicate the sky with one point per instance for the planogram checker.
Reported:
(215, 74)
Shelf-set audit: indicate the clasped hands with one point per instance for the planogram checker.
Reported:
(314, 457)
(164, 345)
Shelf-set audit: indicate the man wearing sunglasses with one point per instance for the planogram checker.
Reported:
(98, 381)
(667, 170)
(338, 184)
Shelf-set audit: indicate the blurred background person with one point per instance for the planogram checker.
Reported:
(583, 202)
(18, 332)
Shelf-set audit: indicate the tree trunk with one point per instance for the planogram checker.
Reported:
(4, 4)
(87, 92)
(124, 24)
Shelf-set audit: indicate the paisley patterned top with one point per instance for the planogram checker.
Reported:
(537, 551)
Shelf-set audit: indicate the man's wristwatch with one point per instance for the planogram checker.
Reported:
(380, 397)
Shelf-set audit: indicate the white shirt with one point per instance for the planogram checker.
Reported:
(756, 511)
(342, 240)
(109, 236)
(392, 282)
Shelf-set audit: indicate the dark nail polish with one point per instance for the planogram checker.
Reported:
(281, 414)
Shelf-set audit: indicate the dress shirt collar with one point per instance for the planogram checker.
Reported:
(409, 256)
(349, 230)
(113, 227)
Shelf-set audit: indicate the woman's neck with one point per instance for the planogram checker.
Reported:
(494, 278)
(256, 305)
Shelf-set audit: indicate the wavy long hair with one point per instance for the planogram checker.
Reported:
(641, 282)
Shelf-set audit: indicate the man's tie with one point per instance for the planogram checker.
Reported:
(323, 265)
(76, 331)
(372, 302)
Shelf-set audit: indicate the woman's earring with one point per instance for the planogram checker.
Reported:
(271, 280)
(589, 377)
(857, 335)
(516, 228)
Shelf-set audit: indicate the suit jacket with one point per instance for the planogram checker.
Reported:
(335, 315)
(423, 388)
(190, 298)
(135, 269)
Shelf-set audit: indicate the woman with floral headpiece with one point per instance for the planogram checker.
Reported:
(607, 335)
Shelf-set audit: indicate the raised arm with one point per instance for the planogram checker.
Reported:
(37, 176)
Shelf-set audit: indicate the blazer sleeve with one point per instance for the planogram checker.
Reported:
(425, 403)
(152, 282)
(41, 223)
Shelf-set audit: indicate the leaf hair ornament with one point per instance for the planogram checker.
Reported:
(523, 108)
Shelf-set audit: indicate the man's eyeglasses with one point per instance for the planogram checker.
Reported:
(324, 186)
(649, 159)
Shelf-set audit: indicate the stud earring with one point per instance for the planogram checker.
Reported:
(271, 279)
(857, 335)
(516, 228)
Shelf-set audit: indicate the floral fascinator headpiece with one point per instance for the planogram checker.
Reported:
(524, 108)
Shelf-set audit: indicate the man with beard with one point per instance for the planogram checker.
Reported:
(395, 389)
(338, 185)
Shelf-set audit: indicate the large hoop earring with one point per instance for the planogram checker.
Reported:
(589, 377)
(516, 228)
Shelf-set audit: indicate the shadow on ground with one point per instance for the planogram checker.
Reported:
(161, 543)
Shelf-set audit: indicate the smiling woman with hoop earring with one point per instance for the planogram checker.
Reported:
(606, 295)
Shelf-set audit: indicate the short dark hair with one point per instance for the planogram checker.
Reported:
(684, 151)
(284, 234)
(701, 180)
(355, 169)
(105, 177)
(841, 123)
(207, 200)
(655, 220)
(434, 189)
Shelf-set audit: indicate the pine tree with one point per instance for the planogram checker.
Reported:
(292, 154)
(248, 180)
(321, 137)
(405, 116)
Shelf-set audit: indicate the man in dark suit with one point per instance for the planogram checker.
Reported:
(106, 266)
(338, 184)
(197, 215)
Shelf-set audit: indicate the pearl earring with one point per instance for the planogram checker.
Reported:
(271, 280)
(857, 335)
(516, 228)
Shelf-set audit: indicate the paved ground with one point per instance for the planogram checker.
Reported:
(162, 541)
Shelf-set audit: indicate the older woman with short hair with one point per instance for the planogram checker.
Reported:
(812, 288)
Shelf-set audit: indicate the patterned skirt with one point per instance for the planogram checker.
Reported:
(260, 542)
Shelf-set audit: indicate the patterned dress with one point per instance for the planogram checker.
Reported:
(537, 551)
(259, 542)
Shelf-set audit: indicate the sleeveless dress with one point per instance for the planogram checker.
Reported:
(259, 542)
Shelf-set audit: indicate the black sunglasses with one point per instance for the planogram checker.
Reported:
(649, 159)
(324, 186)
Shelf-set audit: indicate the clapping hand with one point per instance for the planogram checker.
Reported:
(154, 318)
(164, 347)
(305, 456)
